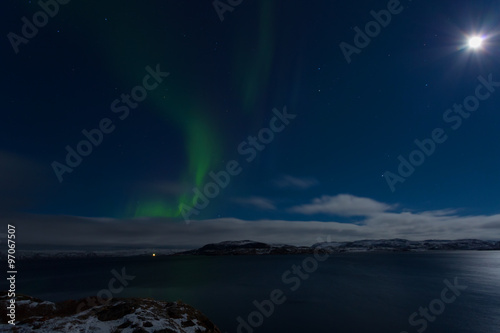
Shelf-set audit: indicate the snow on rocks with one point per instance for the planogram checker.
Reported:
(126, 315)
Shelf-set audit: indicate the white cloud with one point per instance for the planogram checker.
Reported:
(261, 203)
(294, 182)
(342, 205)
(38, 230)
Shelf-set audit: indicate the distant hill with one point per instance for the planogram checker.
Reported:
(61, 254)
(248, 247)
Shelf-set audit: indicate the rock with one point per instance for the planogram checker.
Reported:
(135, 315)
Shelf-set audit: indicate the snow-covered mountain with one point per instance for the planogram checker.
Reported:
(246, 247)
(406, 245)
(249, 247)
(126, 315)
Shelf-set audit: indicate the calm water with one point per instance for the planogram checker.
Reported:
(363, 292)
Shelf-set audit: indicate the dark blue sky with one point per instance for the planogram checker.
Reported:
(327, 163)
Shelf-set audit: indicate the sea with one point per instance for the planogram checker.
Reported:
(401, 292)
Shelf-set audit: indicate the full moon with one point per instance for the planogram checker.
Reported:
(475, 42)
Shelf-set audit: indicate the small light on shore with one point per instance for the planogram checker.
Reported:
(475, 42)
(154, 254)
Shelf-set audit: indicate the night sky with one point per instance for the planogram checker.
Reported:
(290, 118)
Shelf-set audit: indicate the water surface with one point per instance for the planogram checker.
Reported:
(351, 293)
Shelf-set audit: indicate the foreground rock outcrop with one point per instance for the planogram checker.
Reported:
(127, 315)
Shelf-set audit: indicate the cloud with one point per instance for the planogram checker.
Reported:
(261, 203)
(294, 182)
(106, 233)
(342, 205)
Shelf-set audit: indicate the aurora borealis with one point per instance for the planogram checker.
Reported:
(355, 120)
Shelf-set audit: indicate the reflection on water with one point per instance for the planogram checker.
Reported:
(358, 292)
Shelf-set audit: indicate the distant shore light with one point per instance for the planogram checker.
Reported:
(475, 42)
